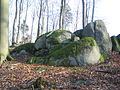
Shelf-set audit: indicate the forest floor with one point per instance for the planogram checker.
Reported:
(18, 75)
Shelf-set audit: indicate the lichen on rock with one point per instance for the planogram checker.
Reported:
(75, 50)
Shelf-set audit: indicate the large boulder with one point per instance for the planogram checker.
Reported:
(116, 43)
(48, 40)
(98, 31)
(118, 37)
(40, 42)
(77, 53)
(78, 33)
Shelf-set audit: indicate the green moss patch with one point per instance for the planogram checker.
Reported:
(53, 37)
(116, 43)
(29, 47)
(71, 49)
(103, 58)
(36, 60)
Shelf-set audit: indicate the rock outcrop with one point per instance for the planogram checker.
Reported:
(115, 43)
(98, 31)
(79, 53)
(50, 39)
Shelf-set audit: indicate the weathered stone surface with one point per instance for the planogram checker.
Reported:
(48, 40)
(41, 42)
(115, 43)
(78, 33)
(76, 54)
(98, 31)
(118, 37)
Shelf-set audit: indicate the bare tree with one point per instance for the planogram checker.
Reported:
(43, 17)
(3, 30)
(14, 22)
(24, 21)
(65, 15)
(19, 21)
(77, 13)
(47, 29)
(88, 6)
(61, 14)
(33, 18)
(39, 17)
(68, 17)
(84, 21)
(93, 9)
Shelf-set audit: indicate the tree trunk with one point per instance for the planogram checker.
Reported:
(43, 17)
(3, 30)
(61, 11)
(33, 18)
(20, 10)
(47, 29)
(63, 15)
(25, 21)
(93, 9)
(84, 21)
(77, 13)
(13, 32)
(40, 13)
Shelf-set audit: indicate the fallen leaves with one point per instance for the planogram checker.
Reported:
(20, 75)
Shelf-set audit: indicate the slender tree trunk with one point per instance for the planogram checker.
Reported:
(43, 17)
(47, 29)
(61, 11)
(53, 18)
(87, 10)
(93, 10)
(76, 23)
(33, 18)
(25, 21)
(3, 30)
(42, 26)
(63, 15)
(40, 12)
(20, 10)
(84, 21)
(13, 32)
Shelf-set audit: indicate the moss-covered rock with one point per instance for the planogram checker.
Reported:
(72, 48)
(98, 31)
(118, 37)
(83, 52)
(42, 52)
(115, 43)
(28, 47)
(48, 40)
(40, 42)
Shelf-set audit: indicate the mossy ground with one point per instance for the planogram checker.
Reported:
(29, 47)
(37, 60)
(103, 58)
